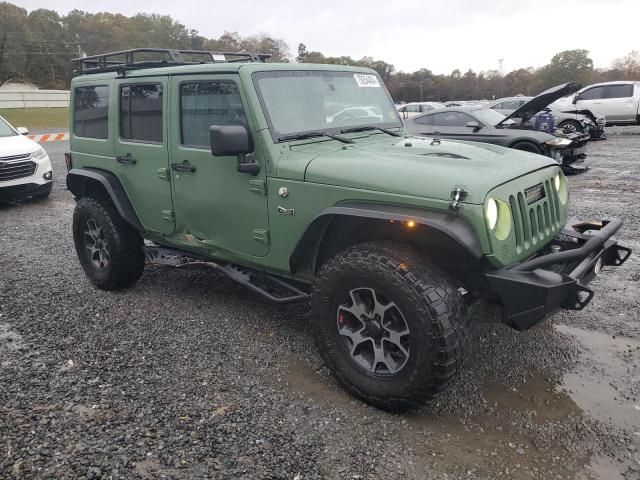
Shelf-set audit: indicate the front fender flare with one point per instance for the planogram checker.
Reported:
(451, 225)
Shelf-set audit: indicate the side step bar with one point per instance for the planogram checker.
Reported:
(275, 289)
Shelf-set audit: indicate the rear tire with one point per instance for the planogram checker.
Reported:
(110, 251)
(414, 349)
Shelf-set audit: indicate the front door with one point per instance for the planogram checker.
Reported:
(214, 202)
(593, 99)
(141, 150)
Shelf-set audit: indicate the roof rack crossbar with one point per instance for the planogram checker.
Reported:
(166, 57)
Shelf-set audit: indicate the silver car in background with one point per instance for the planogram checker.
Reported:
(618, 102)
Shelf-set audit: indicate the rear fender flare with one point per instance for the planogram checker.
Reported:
(79, 181)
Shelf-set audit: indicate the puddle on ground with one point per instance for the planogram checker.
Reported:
(538, 396)
(597, 385)
(308, 383)
(492, 445)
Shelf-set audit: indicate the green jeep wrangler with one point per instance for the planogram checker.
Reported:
(300, 182)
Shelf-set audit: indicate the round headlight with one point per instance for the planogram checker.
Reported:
(491, 213)
(556, 182)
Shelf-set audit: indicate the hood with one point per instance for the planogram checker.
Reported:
(16, 145)
(414, 167)
(537, 103)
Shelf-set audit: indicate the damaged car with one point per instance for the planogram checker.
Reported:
(566, 118)
(482, 124)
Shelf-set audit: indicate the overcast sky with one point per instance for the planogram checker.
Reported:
(410, 34)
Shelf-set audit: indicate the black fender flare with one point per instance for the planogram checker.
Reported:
(448, 223)
(78, 179)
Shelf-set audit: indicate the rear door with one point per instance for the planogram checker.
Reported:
(142, 156)
(214, 202)
(621, 104)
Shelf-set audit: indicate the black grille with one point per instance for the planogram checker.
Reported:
(535, 224)
(16, 166)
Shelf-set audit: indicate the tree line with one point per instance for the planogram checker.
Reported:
(38, 46)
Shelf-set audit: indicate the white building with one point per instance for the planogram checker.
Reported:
(20, 94)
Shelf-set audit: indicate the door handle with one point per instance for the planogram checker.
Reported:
(185, 166)
(126, 159)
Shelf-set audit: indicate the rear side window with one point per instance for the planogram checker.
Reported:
(619, 91)
(141, 112)
(91, 112)
(424, 120)
(452, 119)
(498, 106)
(207, 103)
(592, 94)
(512, 104)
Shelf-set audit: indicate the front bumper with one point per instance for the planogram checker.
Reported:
(24, 190)
(531, 291)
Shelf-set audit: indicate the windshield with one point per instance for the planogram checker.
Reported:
(306, 101)
(489, 116)
(5, 129)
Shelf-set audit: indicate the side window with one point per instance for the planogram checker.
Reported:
(451, 119)
(207, 103)
(512, 104)
(498, 106)
(619, 91)
(426, 108)
(424, 120)
(413, 108)
(91, 112)
(592, 94)
(141, 112)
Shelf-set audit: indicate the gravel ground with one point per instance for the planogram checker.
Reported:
(186, 375)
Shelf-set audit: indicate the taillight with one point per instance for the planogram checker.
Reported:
(67, 160)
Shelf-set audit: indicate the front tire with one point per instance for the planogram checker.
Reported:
(571, 126)
(527, 147)
(389, 324)
(110, 251)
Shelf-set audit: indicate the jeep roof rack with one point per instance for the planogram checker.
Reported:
(124, 60)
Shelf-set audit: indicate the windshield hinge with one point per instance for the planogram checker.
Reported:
(458, 195)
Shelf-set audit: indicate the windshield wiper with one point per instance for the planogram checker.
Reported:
(302, 136)
(370, 127)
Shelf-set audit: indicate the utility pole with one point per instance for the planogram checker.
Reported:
(501, 79)
(421, 96)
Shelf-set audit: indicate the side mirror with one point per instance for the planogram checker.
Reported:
(574, 100)
(22, 130)
(474, 125)
(229, 140)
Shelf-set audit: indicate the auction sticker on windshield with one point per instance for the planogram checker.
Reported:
(364, 80)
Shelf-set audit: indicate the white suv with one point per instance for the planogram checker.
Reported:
(25, 168)
(619, 102)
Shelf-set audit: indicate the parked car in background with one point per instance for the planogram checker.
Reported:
(481, 124)
(569, 119)
(25, 168)
(618, 102)
(412, 109)
(372, 113)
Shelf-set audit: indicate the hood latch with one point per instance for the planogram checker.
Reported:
(457, 197)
